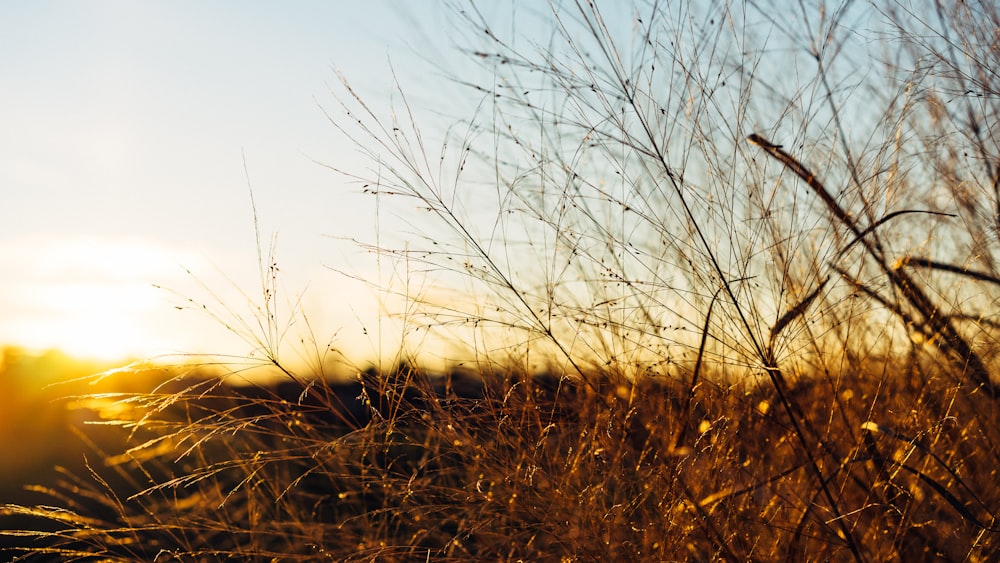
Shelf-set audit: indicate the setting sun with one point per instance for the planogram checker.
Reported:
(125, 161)
(90, 297)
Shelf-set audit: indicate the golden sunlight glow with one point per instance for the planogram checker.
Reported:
(89, 297)
(89, 320)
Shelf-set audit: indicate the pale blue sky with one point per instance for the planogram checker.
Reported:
(122, 130)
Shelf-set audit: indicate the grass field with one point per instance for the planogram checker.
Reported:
(402, 467)
(721, 285)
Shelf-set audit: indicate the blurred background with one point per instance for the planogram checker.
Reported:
(130, 136)
(125, 128)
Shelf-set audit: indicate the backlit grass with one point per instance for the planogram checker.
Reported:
(720, 284)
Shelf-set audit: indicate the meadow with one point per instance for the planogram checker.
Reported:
(718, 284)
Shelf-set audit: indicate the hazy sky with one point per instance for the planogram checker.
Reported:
(123, 130)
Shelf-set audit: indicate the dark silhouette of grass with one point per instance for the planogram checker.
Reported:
(534, 468)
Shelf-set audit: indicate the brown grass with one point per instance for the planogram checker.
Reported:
(539, 469)
(757, 261)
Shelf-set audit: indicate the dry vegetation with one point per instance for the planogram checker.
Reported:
(755, 253)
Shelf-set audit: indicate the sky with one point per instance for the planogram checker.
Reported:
(137, 139)
(129, 134)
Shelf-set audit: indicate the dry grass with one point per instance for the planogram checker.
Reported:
(757, 258)
(536, 469)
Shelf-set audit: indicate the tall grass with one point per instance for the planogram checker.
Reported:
(722, 280)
